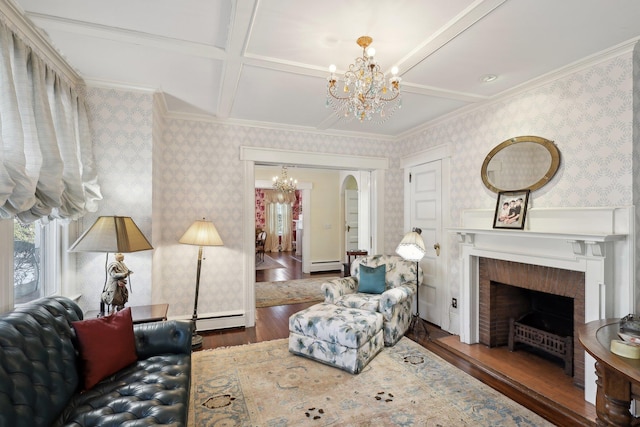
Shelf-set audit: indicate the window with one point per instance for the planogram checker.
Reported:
(34, 261)
(279, 218)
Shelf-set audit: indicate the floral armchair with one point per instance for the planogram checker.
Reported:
(394, 303)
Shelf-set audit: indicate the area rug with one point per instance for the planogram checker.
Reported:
(405, 385)
(286, 292)
(268, 263)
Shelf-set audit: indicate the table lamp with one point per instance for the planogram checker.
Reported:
(111, 234)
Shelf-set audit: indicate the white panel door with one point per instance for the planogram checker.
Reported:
(351, 219)
(426, 213)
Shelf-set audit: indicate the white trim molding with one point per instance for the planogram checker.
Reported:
(38, 41)
(442, 153)
(596, 241)
(438, 152)
(304, 158)
(6, 266)
(250, 156)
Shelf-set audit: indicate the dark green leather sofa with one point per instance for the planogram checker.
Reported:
(40, 380)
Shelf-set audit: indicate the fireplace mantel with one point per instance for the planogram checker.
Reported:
(578, 241)
(590, 240)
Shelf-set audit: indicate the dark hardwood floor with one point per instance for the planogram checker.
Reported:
(528, 379)
(292, 270)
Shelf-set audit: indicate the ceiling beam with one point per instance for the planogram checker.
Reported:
(131, 37)
(459, 24)
(243, 16)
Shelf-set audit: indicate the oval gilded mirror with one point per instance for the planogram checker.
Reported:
(520, 163)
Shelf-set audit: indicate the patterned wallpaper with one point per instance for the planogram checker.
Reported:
(201, 176)
(196, 172)
(587, 114)
(121, 130)
(260, 204)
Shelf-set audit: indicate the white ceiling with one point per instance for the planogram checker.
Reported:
(266, 61)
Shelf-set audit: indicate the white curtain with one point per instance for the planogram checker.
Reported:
(272, 199)
(47, 168)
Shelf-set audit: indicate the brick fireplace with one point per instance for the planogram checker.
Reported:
(581, 253)
(497, 304)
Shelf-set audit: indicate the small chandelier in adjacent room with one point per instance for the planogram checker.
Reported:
(366, 93)
(283, 183)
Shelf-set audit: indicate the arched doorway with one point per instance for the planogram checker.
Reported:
(350, 209)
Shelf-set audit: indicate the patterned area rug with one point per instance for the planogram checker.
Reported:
(268, 263)
(405, 385)
(290, 291)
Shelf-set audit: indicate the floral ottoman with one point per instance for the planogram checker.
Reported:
(347, 338)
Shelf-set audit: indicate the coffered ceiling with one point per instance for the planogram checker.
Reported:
(266, 61)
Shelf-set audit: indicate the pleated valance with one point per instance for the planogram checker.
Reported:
(47, 167)
(273, 196)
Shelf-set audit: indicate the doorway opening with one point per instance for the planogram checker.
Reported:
(373, 167)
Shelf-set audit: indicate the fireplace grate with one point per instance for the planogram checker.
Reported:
(556, 345)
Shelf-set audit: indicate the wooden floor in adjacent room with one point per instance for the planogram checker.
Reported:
(533, 381)
(292, 270)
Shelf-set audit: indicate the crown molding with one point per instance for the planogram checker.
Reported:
(38, 40)
(304, 158)
(577, 66)
(275, 126)
(109, 84)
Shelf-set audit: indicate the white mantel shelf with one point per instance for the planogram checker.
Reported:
(554, 237)
(578, 241)
(586, 236)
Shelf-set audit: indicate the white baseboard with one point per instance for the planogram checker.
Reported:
(454, 322)
(325, 266)
(214, 321)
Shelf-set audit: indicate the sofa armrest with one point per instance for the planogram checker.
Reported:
(172, 336)
(392, 297)
(334, 289)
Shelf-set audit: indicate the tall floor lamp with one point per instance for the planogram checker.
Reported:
(412, 248)
(111, 234)
(201, 233)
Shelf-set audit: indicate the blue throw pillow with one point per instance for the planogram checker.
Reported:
(371, 280)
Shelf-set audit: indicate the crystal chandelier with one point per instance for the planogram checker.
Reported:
(283, 183)
(366, 91)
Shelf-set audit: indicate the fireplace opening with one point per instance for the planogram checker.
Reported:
(549, 312)
(534, 321)
(505, 292)
(546, 329)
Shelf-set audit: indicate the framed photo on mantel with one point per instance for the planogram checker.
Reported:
(511, 209)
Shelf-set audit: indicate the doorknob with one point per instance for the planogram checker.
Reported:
(348, 228)
(437, 248)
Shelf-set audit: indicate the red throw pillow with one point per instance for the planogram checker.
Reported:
(107, 344)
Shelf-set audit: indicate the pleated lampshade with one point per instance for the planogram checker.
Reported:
(412, 246)
(201, 233)
(112, 234)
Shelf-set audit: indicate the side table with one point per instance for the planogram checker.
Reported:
(352, 253)
(140, 313)
(618, 377)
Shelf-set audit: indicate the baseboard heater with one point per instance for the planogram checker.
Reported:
(325, 266)
(209, 322)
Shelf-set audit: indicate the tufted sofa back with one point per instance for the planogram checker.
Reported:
(398, 270)
(38, 373)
